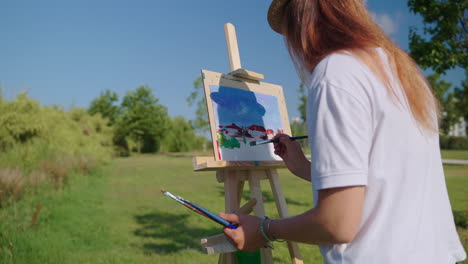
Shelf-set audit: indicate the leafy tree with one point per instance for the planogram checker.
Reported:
(443, 44)
(143, 119)
(105, 105)
(441, 89)
(299, 129)
(461, 97)
(302, 102)
(197, 99)
(181, 137)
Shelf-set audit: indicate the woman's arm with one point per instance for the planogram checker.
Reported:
(334, 220)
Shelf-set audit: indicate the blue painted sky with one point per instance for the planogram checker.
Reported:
(245, 108)
(67, 52)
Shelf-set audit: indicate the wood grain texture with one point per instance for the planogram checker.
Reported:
(249, 75)
(210, 164)
(232, 47)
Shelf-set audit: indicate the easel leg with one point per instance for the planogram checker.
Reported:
(240, 190)
(232, 196)
(259, 210)
(283, 212)
(222, 258)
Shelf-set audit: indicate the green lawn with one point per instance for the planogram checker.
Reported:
(118, 215)
(455, 154)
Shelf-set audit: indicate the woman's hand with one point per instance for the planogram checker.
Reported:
(293, 156)
(247, 236)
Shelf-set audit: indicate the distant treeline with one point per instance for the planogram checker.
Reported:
(45, 145)
(140, 124)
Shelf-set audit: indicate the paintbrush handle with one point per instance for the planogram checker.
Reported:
(276, 140)
(298, 137)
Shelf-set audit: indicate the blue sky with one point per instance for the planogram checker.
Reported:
(66, 52)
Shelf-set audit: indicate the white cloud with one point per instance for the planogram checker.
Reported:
(389, 23)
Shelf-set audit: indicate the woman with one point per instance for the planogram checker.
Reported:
(376, 170)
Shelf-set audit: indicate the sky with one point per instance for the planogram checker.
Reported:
(66, 52)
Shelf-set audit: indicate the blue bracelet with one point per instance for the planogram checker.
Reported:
(262, 230)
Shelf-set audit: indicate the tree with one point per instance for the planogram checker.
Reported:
(461, 97)
(302, 102)
(181, 137)
(441, 89)
(444, 43)
(298, 127)
(197, 99)
(105, 105)
(143, 119)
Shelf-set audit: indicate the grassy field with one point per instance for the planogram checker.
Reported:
(455, 154)
(118, 215)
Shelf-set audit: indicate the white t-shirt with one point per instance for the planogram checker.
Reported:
(359, 135)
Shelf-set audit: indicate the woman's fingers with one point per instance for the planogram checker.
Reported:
(233, 218)
(280, 147)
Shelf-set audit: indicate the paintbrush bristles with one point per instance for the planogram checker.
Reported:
(260, 142)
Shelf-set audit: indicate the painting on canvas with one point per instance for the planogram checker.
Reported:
(240, 116)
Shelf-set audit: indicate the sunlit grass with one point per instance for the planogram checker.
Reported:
(118, 215)
(455, 154)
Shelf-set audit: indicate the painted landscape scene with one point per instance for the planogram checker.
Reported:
(242, 117)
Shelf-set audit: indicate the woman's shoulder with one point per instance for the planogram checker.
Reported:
(342, 68)
(338, 64)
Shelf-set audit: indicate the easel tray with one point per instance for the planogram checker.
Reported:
(210, 164)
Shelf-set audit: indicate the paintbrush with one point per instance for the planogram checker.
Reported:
(274, 140)
(200, 210)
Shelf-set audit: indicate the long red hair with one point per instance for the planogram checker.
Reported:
(315, 28)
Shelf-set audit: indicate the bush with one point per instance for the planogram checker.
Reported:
(455, 143)
(443, 142)
(20, 121)
(182, 137)
(47, 144)
(461, 218)
(11, 185)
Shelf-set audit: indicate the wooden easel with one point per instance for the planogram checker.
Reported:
(234, 174)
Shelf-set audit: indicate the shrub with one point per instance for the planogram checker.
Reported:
(460, 143)
(456, 143)
(443, 142)
(11, 185)
(461, 218)
(47, 144)
(59, 169)
(20, 121)
(202, 143)
(36, 179)
(181, 137)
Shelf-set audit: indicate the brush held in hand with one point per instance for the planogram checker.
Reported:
(274, 140)
(200, 210)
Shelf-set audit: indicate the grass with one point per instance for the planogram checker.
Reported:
(117, 215)
(455, 154)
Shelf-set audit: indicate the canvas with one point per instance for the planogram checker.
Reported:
(241, 112)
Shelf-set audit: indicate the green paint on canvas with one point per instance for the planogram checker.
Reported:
(228, 143)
